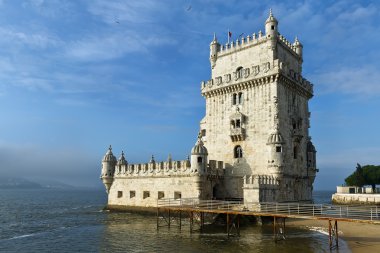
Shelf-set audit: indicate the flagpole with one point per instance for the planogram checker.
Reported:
(228, 36)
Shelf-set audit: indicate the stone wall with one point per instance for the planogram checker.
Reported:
(369, 199)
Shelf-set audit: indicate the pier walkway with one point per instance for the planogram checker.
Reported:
(173, 211)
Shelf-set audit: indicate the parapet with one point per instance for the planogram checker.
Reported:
(255, 181)
(249, 41)
(154, 169)
(255, 75)
(167, 168)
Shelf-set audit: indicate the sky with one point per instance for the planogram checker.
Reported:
(77, 76)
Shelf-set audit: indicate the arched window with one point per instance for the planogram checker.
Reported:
(234, 99)
(239, 72)
(233, 124)
(200, 159)
(238, 152)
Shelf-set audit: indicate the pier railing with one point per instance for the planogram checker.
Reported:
(294, 210)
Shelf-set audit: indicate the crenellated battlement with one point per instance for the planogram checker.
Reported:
(182, 167)
(166, 168)
(250, 41)
(256, 74)
(251, 181)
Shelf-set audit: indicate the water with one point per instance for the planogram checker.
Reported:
(73, 221)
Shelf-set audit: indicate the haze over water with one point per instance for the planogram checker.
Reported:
(73, 221)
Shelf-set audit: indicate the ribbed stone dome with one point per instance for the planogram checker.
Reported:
(271, 18)
(199, 148)
(122, 160)
(109, 157)
(275, 138)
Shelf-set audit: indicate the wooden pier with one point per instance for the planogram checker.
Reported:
(171, 212)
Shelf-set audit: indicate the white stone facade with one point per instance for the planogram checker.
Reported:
(256, 125)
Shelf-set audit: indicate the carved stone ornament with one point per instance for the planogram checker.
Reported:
(256, 70)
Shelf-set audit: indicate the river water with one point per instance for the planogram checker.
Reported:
(73, 221)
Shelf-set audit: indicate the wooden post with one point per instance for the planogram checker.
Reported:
(336, 234)
(330, 241)
(228, 225)
(191, 222)
(274, 228)
(180, 219)
(169, 218)
(157, 217)
(202, 220)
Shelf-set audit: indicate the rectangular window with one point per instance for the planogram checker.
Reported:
(132, 194)
(278, 149)
(146, 194)
(177, 195)
(203, 132)
(119, 194)
(240, 98)
(161, 195)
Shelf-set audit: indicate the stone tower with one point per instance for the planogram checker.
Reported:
(257, 117)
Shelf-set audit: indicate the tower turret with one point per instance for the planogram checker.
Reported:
(271, 26)
(108, 169)
(311, 155)
(214, 49)
(298, 46)
(199, 156)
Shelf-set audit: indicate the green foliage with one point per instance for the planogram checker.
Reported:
(366, 175)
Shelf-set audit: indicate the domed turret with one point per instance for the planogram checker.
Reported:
(108, 169)
(298, 46)
(214, 48)
(199, 156)
(271, 25)
(276, 146)
(122, 160)
(275, 138)
(311, 155)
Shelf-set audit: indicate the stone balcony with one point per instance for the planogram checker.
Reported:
(237, 134)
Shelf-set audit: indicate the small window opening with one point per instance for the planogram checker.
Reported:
(272, 27)
(295, 152)
(132, 194)
(203, 132)
(240, 98)
(119, 194)
(238, 123)
(146, 194)
(233, 124)
(161, 195)
(199, 159)
(234, 99)
(238, 152)
(239, 72)
(278, 149)
(177, 195)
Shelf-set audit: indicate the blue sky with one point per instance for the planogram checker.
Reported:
(76, 76)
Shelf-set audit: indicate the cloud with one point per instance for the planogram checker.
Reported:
(360, 81)
(14, 36)
(141, 11)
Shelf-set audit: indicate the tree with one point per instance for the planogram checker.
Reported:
(366, 175)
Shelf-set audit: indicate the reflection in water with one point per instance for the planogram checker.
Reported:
(125, 232)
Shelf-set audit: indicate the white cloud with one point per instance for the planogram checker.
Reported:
(12, 36)
(360, 81)
(141, 11)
